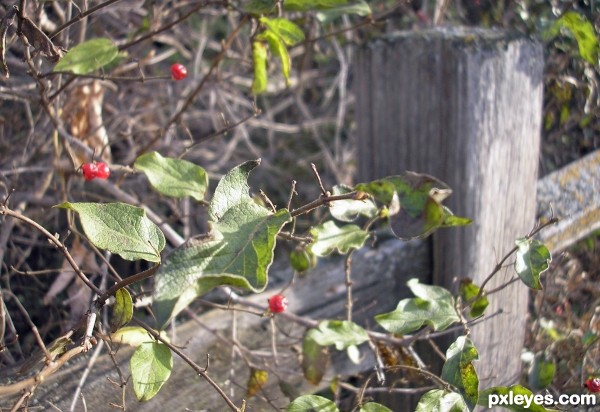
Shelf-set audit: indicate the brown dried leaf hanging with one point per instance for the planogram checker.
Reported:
(82, 114)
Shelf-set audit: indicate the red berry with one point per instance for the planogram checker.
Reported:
(593, 385)
(278, 303)
(178, 71)
(103, 170)
(90, 171)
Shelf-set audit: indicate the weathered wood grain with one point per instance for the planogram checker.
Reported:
(465, 106)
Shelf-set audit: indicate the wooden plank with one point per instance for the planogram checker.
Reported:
(464, 105)
(573, 195)
(379, 281)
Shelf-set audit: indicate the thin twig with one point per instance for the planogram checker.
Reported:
(348, 283)
(192, 95)
(6, 211)
(500, 264)
(82, 16)
(198, 369)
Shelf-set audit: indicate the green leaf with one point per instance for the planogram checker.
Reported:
(541, 372)
(257, 380)
(330, 238)
(237, 252)
(308, 403)
(350, 210)
(122, 310)
(301, 260)
(340, 333)
(360, 8)
(134, 336)
(88, 56)
(429, 292)
(151, 366)
(438, 400)
(434, 307)
(232, 190)
(259, 61)
(173, 177)
(532, 259)
(522, 399)
(415, 202)
(121, 229)
(468, 291)
(287, 31)
(373, 407)
(584, 34)
(459, 371)
(315, 359)
(277, 47)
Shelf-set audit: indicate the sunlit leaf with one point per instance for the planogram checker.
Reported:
(237, 252)
(151, 366)
(308, 403)
(459, 371)
(340, 333)
(330, 238)
(121, 229)
(173, 177)
(435, 307)
(582, 30)
(283, 28)
(134, 336)
(88, 56)
(350, 210)
(259, 61)
(532, 259)
(278, 48)
(438, 400)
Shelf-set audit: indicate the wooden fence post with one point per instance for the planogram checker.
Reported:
(464, 105)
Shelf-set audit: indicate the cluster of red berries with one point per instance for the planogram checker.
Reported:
(94, 170)
(593, 385)
(278, 303)
(178, 71)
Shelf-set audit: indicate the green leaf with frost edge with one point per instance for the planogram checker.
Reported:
(237, 252)
(330, 238)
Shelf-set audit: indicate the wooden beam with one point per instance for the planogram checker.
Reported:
(573, 195)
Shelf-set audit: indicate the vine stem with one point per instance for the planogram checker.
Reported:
(59, 245)
(324, 200)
